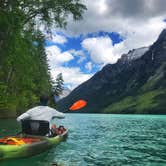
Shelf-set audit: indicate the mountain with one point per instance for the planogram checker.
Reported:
(135, 84)
(133, 54)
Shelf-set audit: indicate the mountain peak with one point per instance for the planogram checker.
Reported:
(133, 55)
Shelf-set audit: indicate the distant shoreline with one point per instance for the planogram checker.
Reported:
(88, 113)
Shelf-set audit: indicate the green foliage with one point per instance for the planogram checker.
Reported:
(24, 71)
(46, 12)
(157, 80)
(142, 103)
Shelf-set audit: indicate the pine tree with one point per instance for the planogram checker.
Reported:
(58, 87)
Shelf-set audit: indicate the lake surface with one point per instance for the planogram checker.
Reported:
(102, 140)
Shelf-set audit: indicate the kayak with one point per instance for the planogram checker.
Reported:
(27, 145)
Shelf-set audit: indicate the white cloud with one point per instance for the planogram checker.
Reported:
(80, 54)
(89, 66)
(56, 57)
(56, 38)
(72, 76)
(56, 60)
(77, 52)
(59, 39)
(100, 49)
(140, 37)
(81, 59)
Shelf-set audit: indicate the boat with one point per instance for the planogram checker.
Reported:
(21, 146)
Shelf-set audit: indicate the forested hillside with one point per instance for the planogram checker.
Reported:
(24, 70)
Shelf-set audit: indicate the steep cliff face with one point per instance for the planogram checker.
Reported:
(138, 75)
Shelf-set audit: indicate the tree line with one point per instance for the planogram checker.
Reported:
(24, 69)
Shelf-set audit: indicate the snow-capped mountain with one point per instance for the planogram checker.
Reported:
(133, 54)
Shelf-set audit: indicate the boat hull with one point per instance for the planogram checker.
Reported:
(27, 150)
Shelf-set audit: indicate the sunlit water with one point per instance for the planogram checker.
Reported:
(102, 140)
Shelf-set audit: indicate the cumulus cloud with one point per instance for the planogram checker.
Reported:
(77, 52)
(89, 66)
(59, 39)
(56, 57)
(81, 59)
(100, 49)
(71, 75)
(56, 38)
(144, 36)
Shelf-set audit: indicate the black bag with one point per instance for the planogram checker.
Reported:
(35, 127)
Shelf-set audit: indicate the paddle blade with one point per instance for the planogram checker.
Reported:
(78, 105)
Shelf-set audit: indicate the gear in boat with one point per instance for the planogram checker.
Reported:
(35, 138)
(31, 131)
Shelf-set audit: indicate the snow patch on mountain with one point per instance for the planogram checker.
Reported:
(133, 54)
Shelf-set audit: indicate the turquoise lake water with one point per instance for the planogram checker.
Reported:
(102, 140)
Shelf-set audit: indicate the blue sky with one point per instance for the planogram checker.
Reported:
(74, 43)
(102, 37)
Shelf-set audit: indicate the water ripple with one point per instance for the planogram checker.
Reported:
(106, 140)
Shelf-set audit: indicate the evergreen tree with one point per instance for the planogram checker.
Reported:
(58, 88)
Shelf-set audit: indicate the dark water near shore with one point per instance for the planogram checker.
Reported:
(102, 140)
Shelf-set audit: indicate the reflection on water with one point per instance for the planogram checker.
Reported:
(102, 140)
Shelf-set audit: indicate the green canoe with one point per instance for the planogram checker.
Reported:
(30, 149)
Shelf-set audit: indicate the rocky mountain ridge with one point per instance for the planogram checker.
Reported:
(135, 84)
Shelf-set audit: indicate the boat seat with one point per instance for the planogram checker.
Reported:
(35, 127)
